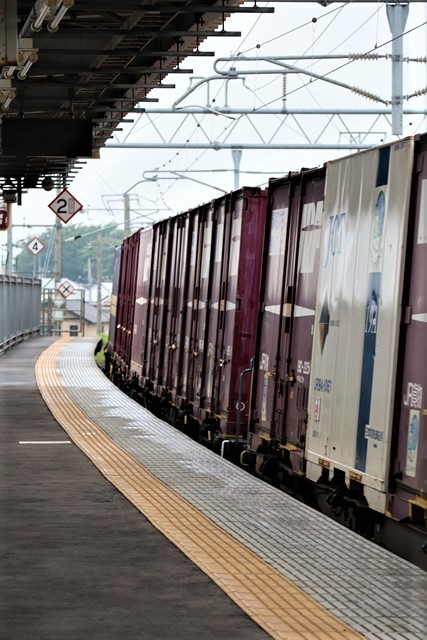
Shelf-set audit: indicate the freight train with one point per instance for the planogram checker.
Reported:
(286, 328)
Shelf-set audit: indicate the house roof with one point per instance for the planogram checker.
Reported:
(89, 311)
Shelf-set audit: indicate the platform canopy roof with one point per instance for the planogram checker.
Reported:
(72, 70)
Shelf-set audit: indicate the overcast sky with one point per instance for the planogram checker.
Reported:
(295, 29)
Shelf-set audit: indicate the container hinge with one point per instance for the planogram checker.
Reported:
(407, 315)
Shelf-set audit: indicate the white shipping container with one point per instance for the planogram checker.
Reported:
(357, 318)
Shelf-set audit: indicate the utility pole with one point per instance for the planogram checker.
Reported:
(126, 209)
(9, 259)
(57, 268)
(57, 273)
(237, 156)
(397, 15)
(99, 282)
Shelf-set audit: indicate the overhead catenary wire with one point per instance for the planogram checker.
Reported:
(306, 85)
(227, 130)
(185, 155)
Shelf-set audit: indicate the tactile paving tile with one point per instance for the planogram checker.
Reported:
(273, 601)
(375, 592)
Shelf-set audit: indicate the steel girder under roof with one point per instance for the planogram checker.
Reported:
(73, 69)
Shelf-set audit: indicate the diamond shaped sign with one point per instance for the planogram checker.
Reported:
(35, 246)
(65, 205)
(65, 289)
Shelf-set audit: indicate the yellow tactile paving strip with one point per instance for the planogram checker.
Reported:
(274, 602)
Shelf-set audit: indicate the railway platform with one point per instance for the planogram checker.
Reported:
(116, 526)
(78, 560)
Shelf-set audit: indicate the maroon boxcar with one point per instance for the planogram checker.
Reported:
(142, 297)
(288, 298)
(113, 305)
(227, 331)
(126, 302)
(177, 307)
(195, 318)
(409, 465)
(155, 346)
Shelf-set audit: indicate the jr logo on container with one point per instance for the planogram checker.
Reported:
(334, 244)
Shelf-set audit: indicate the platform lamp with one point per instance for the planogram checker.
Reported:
(51, 10)
(54, 23)
(41, 11)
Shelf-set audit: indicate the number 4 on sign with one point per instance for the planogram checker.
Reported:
(35, 246)
(65, 206)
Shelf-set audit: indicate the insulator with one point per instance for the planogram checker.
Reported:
(420, 92)
(366, 94)
(363, 56)
(284, 83)
(420, 59)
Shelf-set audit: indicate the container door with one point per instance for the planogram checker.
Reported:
(128, 275)
(238, 331)
(158, 302)
(113, 305)
(142, 296)
(410, 466)
(178, 304)
(217, 303)
(200, 315)
(190, 350)
(309, 203)
(268, 382)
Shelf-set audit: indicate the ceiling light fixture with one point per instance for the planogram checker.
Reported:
(8, 99)
(41, 10)
(8, 71)
(31, 59)
(7, 94)
(53, 24)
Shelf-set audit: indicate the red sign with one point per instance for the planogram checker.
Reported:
(4, 219)
(65, 206)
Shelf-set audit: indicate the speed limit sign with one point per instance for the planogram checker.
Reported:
(35, 246)
(65, 205)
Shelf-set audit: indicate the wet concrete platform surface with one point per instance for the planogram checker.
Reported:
(78, 560)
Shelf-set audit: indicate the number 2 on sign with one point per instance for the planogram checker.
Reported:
(61, 206)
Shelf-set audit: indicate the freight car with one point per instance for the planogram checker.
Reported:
(185, 306)
(290, 327)
(342, 344)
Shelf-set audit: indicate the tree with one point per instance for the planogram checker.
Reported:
(79, 253)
